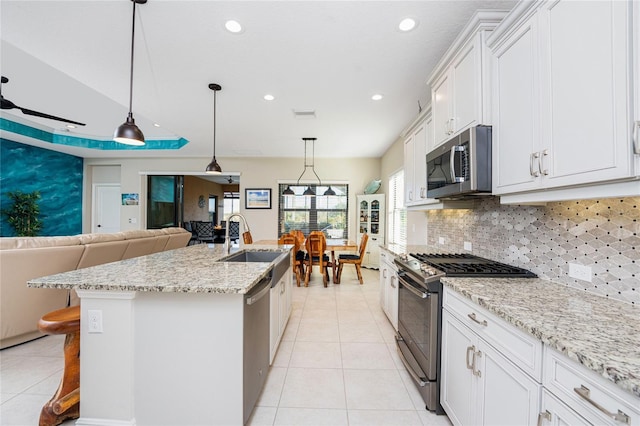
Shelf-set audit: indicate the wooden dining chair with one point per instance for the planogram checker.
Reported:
(353, 259)
(297, 256)
(316, 245)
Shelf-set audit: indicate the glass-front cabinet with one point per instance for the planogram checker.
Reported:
(371, 215)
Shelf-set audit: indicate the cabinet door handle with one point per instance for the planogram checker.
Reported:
(410, 195)
(543, 172)
(471, 349)
(532, 158)
(585, 394)
(391, 283)
(474, 319)
(384, 273)
(636, 138)
(476, 373)
(543, 415)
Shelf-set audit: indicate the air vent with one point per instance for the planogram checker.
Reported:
(304, 114)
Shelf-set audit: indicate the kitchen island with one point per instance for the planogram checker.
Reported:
(162, 336)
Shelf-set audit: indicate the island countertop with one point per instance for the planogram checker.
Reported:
(192, 269)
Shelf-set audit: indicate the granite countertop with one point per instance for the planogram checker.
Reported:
(192, 269)
(599, 333)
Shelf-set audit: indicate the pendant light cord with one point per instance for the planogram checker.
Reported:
(214, 123)
(133, 32)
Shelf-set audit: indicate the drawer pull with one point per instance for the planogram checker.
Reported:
(545, 415)
(473, 317)
(585, 393)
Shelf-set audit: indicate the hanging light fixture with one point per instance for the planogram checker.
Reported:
(214, 168)
(128, 133)
(308, 192)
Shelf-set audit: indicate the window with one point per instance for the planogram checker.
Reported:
(397, 219)
(231, 204)
(313, 213)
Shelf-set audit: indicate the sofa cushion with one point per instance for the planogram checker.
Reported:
(10, 243)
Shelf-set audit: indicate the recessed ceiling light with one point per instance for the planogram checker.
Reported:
(233, 26)
(269, 97)
(156, 125)
(377, 97)
(407, 24)
(70, 126)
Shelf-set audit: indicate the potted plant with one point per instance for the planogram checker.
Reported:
(23, 214)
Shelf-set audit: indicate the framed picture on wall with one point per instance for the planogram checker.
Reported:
(257, 198)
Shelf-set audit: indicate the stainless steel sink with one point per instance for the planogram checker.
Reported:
(253, 256)
(281, 260)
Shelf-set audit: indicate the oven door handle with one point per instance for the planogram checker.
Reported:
(413, 289)
(420, 381)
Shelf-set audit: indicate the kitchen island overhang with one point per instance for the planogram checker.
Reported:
(171, 346)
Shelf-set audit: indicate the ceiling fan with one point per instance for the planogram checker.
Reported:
(230, 179)
(7, 104)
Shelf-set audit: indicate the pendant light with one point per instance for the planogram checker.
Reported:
(128, 133)
(214, 168)
(308, 192)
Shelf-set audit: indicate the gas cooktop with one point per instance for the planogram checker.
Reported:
(468, 265)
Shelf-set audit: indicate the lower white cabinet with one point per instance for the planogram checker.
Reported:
(280, 309)
(555, 412)
(480, 386)
(389, 287)
(596, 399)
(495, 374)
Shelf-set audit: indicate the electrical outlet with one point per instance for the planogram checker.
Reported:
(441, 240)
(95, 321)
(467, 245)
(580, 272)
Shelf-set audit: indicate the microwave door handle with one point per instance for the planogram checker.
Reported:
(452, 164)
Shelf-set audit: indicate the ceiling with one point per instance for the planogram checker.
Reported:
(72, 59)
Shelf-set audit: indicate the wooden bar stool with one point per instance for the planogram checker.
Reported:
(65, 403)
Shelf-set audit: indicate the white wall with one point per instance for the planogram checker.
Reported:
(254, 173)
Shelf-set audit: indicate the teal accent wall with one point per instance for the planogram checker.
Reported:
(57, 176)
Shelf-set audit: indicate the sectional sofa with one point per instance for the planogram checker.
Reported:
(25, 258)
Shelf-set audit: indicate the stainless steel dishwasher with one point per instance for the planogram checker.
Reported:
(256, 343)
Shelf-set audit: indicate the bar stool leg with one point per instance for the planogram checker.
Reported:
(65, 403)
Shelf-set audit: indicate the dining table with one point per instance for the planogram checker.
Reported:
(333, 245)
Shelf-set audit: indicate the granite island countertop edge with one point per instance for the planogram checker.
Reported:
(192, 269)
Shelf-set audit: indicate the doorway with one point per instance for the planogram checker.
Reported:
(106, 208)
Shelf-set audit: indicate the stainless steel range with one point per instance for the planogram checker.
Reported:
(420, 311)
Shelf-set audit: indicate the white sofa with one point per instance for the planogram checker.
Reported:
(25, 258)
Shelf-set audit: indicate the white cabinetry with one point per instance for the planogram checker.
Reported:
(583, 391)
(371, 216)
(280, 309)
(562, 97)
(460, 83)
(415, 152)
(389, 287)
(490, 370)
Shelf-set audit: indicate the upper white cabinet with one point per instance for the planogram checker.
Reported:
(562, 101)
(460, 83)
(418, 141)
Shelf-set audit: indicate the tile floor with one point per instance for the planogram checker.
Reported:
(336, 365)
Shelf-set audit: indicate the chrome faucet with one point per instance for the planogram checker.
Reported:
(227, 241)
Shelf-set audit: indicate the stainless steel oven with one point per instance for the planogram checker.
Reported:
(419, 335)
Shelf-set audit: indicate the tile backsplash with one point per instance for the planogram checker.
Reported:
(601, 234)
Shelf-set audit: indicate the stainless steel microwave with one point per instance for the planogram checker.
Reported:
(461, 166)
